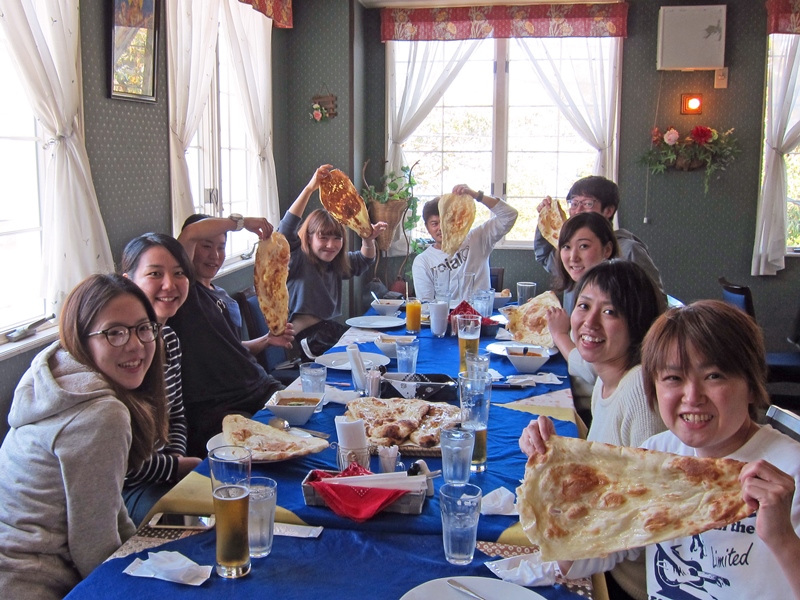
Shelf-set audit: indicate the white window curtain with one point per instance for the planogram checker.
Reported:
(587, 93)
(782, 136)
(192, 27)
(44, 39)
(411, 100)
(249, 35)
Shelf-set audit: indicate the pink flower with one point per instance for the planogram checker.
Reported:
(702, 135)
(655, 135)
(317, 115)
(671, 136)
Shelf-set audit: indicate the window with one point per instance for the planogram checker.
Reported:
(217, 156)
(498, 130)
(20, 222)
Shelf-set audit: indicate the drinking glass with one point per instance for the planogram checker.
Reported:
(475, 393)
(469, 333)
(312, 378)
(438, 312)
(483, 302)
(441, 285)
(467, 286)
(457, 444)
(407, 352)
(413, 314)
(461, 508)
(263, 499)
(525, 291)
(230, 486)
(477, 363)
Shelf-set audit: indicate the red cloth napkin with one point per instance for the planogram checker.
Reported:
(356, 503)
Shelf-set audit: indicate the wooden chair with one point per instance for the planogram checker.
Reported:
(273, 359)
(496, 278)
(784, 421)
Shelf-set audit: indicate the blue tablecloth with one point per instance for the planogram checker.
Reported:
(355, 565)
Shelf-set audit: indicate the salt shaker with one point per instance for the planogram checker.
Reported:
(373, 386)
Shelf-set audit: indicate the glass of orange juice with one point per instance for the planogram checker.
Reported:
(413, 314)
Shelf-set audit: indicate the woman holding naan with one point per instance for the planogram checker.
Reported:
(585, 240)
(91, 406)
(704, 370)
(616, 303)
(319, 263)
(159, 265)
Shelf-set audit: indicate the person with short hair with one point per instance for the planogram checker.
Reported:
(90, 406)
(219, 371)
(471, 257)
(600, 195)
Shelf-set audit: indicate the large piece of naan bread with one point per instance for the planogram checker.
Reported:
(268, 443)
(456, 215)
(550, 221)
(340, 198)
(271, 272)
(527, 323)
(388, 421)
(586, 499)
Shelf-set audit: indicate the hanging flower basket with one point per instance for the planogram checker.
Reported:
(323, 105)
(392, 214)
(704, 148)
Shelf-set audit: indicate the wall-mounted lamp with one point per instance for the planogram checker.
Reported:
(691, 104)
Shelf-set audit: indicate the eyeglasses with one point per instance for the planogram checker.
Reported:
(576, 203)
(119, 335)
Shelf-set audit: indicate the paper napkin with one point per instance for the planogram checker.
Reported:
(533, 379)
(499, 502)
(527, 569)
(169, 566)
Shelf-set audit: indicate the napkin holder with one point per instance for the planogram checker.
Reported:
(410, 503)
(435, 387)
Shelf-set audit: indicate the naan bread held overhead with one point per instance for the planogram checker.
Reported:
(551, 220)
(528, 324)
(456, 215)
(271, 272)
(586, 499)
(340, 198)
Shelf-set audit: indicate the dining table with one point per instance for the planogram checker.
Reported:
(391, 553)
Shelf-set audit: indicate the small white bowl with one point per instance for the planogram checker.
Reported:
(500, 301)
(386, 343)
(294, 406)
(530, 362)
(387, 307)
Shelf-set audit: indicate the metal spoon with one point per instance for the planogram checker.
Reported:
(463, 589)
(279, 423)
(376, 297)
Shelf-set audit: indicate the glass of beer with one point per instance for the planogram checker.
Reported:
(475, 392)
(413, 314)
(469, 333)
(230, 485)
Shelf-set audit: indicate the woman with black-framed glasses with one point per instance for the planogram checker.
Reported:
(90, 405)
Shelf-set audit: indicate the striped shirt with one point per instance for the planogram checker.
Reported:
(163, 464)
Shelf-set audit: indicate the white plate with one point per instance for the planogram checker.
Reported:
(375, 322)
(340, 360)
(219, 440)
(486, 587)
(499, 348)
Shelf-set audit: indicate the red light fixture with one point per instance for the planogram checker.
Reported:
(691, 104)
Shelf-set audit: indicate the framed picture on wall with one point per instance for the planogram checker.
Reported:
(134, 48)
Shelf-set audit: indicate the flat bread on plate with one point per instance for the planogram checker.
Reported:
(340, 198)
(268, 443)
(456, 215)
(586, 499)
(528, 324)
(396, 421)
(271, 272)
(551, 219)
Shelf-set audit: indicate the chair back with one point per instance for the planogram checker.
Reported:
(496, 278)
(784, 421)
(738, 295)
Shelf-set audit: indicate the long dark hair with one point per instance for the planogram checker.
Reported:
(147, 404)
(634, 295)
(598, 225)
(322, 222)
(139, 245)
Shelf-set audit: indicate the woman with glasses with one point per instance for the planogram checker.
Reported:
(319, 262)
(90, 406)
(159, 265)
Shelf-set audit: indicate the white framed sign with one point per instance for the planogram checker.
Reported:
(691, 38)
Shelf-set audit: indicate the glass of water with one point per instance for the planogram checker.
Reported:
(407, 352)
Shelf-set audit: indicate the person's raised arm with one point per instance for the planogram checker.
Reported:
(368, 248)
(770, 491)
(535, 435)
(298, 207)
(559, 325)
(211, 227)
(258, 344)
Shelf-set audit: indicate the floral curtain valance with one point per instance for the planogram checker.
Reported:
(280, 11)
(783, 16)
(478, 22)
